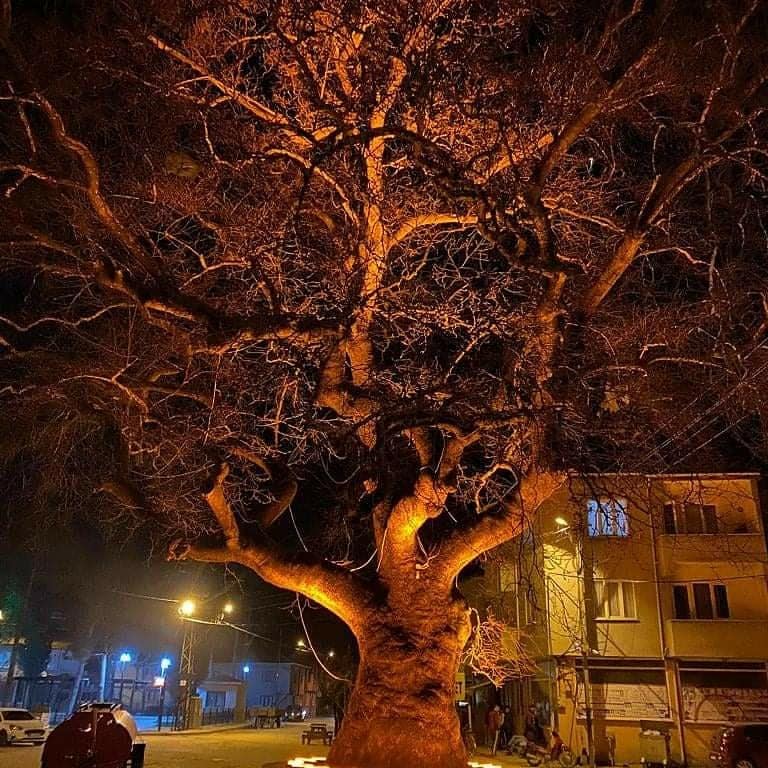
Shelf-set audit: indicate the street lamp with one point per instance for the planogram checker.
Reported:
(165, 663)
(228, 608)
(125, 658)
(331, 653)
(187, 608)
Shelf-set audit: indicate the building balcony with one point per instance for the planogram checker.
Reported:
(717, 638)
(710, 547)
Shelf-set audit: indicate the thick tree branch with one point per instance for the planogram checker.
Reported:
(574, 129)
(93, 187)
(490, 530)
(331, 586)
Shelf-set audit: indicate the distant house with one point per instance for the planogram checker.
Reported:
(273, 684)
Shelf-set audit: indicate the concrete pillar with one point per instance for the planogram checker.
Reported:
(195, 712)
(240, 704)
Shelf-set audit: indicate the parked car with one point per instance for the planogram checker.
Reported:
(740, 746)
(17, 726)
(295, 715)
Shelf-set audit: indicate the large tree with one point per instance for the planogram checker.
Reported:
(338, 290)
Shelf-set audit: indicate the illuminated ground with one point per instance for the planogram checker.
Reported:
(229, 749)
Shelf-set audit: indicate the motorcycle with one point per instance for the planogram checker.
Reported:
(536, 755)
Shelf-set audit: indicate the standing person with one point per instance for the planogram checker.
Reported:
(556, 746)
(533, 730)
(506, 728)
(494, 723)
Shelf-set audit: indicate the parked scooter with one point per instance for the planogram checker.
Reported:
(536, 754)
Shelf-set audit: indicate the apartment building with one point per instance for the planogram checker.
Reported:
(644, 602)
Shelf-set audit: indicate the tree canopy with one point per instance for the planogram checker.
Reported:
(327, 287)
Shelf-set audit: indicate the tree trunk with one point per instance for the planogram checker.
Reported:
(402, 711)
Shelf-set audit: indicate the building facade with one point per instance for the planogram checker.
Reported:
(644, 602)
(282, 685)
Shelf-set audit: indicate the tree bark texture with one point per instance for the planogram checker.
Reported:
(402, 710)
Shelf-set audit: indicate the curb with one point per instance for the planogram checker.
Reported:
(198, 731)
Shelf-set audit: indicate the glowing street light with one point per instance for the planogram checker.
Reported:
(125, 658)
(228, 608)
(561, 521)
(331, 653)
(187, 608)
(165, 663)
(301, 644)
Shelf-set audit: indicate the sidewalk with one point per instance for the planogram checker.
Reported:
(146, 730)
(483, 755)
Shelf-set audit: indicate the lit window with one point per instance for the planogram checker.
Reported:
(701, 600)
(615, 600)
(607, 517)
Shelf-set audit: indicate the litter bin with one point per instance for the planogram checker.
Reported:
(97, 736)
(654, 748)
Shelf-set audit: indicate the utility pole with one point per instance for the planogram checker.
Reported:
(586, 585)
(186, 675)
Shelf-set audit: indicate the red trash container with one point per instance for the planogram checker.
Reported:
(98, 736)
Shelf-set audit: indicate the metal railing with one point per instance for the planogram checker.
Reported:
(218, 716)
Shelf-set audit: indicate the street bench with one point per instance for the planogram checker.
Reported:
(317, 732)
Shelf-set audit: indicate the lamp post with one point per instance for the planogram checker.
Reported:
(165, 663)
(186, 663)
(125, 658)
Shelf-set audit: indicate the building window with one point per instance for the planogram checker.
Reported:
(701, 600)
(690, 518)
(615, 600)
(267, 701)
(215, 700)
(607, 517)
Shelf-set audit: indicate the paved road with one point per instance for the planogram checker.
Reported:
(246, 748)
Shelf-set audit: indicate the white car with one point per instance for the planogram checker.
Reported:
(17, 726)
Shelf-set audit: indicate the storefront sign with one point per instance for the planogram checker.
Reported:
(625, 701)
(726, 705)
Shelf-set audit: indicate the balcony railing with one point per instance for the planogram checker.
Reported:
(710, 547)
(718, 638)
